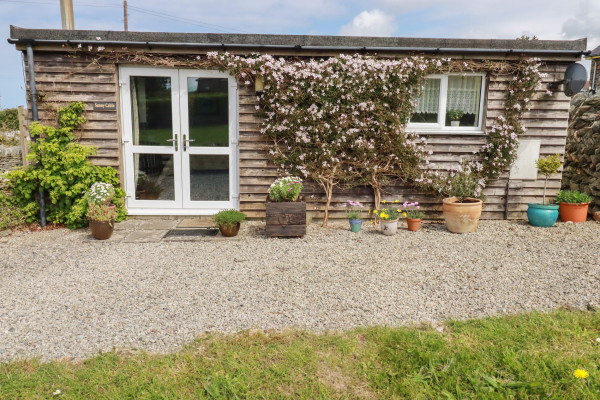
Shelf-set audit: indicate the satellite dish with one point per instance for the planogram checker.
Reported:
(575, 79)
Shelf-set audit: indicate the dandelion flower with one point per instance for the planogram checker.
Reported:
(580, 374)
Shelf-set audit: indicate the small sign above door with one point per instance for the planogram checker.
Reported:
(105, 105)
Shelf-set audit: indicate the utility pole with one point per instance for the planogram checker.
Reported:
(66, 14)
(125, 15)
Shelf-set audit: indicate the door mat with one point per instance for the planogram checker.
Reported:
(185, 233)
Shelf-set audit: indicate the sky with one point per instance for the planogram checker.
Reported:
(482, 19)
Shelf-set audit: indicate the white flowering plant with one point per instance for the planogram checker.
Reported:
(287, 188)
(342, 119)
(100, 193)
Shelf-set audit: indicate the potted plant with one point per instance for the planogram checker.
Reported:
(413, 215)
(353, 214)
(388, 218)
(455, 116)
(462, 209)
(285, 211)
(544, 215)
(101, 213)
(229, 222)
(573, 205)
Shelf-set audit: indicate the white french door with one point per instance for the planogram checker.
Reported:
(180, 134)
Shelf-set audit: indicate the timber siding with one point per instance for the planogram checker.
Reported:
(62, 78)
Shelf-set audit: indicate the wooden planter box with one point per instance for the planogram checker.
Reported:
(286, 219)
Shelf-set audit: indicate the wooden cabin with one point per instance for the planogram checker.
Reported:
(188, 142)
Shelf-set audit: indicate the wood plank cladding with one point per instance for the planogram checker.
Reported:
(61, 79)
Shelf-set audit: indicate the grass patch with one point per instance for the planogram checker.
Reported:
(527, 356)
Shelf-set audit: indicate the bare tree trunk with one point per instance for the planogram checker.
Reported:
(328, 192)
(545, 184)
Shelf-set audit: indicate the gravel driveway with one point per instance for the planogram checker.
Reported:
(64, 295)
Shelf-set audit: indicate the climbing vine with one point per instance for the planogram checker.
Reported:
(342, 120)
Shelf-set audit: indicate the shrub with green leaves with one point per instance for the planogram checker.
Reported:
(229, 218)
(547, 166)
(572, 197)
(61, 167)
(287, 188)
(10, 214)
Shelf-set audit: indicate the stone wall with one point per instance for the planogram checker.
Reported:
(10, 157)
(582, 158)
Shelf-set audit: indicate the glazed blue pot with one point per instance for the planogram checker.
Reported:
(355, 224)
(542, 215)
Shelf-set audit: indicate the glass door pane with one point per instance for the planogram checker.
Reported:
(151, 110)
(208, 112)
(154, 176)
(209, 177)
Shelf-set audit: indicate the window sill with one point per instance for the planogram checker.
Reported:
(462, 132)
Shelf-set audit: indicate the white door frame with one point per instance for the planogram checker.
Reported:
(182, 205)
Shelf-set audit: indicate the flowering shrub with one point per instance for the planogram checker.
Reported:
(287, 188)
(343, 118)
(353, 209)
(100, 193)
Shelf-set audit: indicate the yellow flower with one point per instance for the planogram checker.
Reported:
(580, 374)
(383, 201)
(375, 211)
(383, 215)
(395, 201)
(404, 214)
(398, 209)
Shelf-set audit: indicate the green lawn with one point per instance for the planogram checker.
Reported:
(530, 356)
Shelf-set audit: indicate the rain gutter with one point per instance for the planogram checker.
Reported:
(300, 47)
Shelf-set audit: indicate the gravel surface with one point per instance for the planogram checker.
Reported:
(63, 295)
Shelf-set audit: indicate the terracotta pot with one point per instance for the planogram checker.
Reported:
(413, 224)
(102, 230)
(461, 217)
(229, 230)
(570, 212)
(389, 228)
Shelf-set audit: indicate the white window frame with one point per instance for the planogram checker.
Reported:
(440, 126)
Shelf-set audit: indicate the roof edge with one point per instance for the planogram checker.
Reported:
(267, 40)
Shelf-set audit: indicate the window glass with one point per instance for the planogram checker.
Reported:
(429, 103)
(463, 100)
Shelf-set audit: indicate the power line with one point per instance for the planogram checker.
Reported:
(147, 11)
(184, 20)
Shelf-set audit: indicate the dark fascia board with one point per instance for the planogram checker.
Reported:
(262, 40)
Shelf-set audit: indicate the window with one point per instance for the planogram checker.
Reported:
(450, 102)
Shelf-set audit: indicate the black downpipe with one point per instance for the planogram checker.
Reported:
(34, 117)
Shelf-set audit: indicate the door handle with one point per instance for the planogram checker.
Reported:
(175, 142)
(186, 141)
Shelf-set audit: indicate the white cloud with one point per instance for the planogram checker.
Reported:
(585, 23)
(370, 23)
